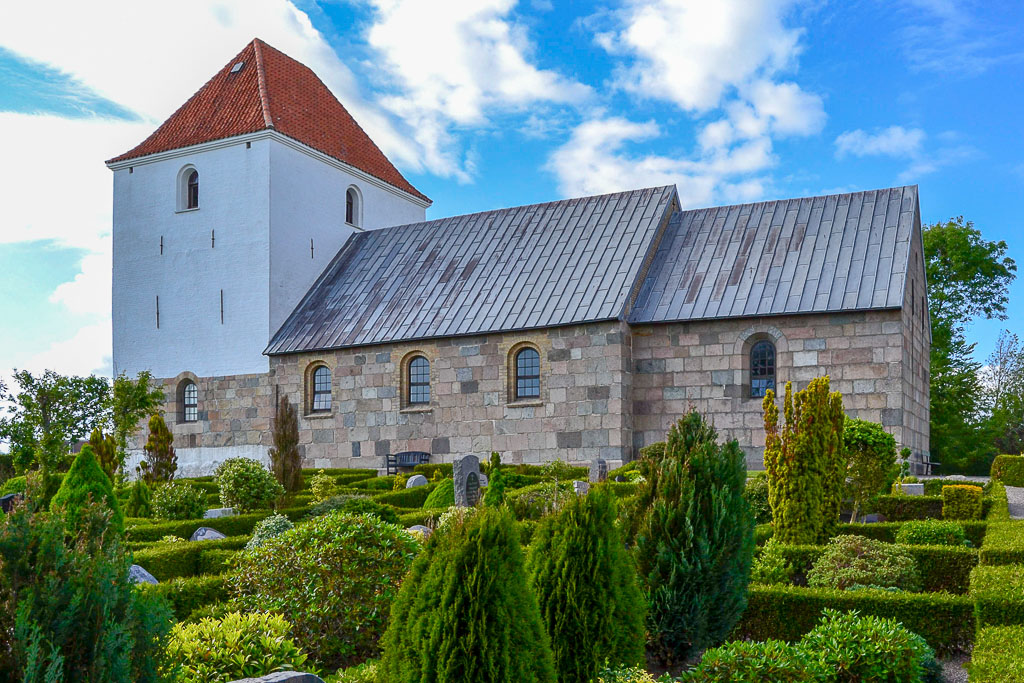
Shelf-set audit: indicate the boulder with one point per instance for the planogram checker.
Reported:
(419, 528)
(139, 575)
(283, 677)
(214, 513)
(205, 533)
(416, 480)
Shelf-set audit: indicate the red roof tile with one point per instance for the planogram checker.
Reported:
(271, 91)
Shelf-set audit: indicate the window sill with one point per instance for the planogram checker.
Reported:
(319, 415)
(186, 210)
(530, 403)
(417, 409)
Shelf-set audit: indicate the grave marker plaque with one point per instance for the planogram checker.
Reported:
(598, 470)
(466, 476)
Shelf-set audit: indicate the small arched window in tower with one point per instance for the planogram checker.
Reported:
(419, 381)
(352, 206)
(527, 374)
(192, 190)
(762, 368)
(189, 402)
(321, 390)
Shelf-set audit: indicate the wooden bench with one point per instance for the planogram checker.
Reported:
(406, 459)
(926, 465)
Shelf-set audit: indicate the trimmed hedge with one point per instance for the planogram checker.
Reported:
(998, 594)
(428, 469)
(143, 529)
(623, 489)
(1004, 544)
(882, 531)
(962, 502)
(174, 560)
(367, 471)
(421, 517)
(998, 655)
(186, 595)
(406, 498)
(1000, 506)
(903, 508)
(933, 487)
(1009, 469)
(945, 621)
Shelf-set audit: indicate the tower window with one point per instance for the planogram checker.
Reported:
(419, 381)
(527, 374)
(321, 389)
(762, 368)
(353, 209)
(189, 402)
(192, 198)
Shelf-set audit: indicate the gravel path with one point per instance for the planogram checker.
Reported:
(953, 670)
(1015, 496)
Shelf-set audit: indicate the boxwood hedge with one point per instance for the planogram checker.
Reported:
(173, 560)
(1004, 544)
(1009, 469)
(998, 594)
(188, 594)
(998, 655)
(144, 529)
(406, 498)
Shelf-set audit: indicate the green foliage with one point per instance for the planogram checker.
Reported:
(178, 500)
(931, 532)
(694, 540)
(285, 460)
(756, 493)
(105, 449)
(405, 498)
(246, 485)
(998, 655)
(131, 401)
(142, 530)
(161, 463)
(868, 648)
(333, 578)
(961, 502)
(234, 647)
(495, 494)
(742, 662)
(1009, 469)
(323, 486)
(901, 508)
(871, 461)
(771, 566)
(13, 485)
(86, 482)
(140, 500)
(367, 672)
(329, 505)
(365, 506)
(1003, 380)
(998, 594)
(442, 497)
(999, 510)
(805, 462)
(627, 674)
(428, 470)
(268, 528)
(537, 500)
(857, 561)
(465, 613)
(587, 589)
(1003, 544)
(186, 595)
(171, 560)
(72, 612)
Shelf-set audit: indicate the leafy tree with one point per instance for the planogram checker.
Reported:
(1003, 383)
(84, 483)
(284, 454)
(105, 448)
(968, 277)
(131, 401)
(805, 463)
(161, 463)
(695, 539)
(871, 461)
(464, 613)
(587, 588)
(50, 413)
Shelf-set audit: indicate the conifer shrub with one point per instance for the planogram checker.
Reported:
(694, 539)
(771, 568)
(85, 482)
(161, 462)
(804, 461)
(465, 613)
(931, 532)
(442, 497)
(105, 449)
(285, 461)
(233, 647)
(178, 500)
(495, 493)
(140, 500)
(333, 578)
(246, 485)
(855, 561)
(586, 585)
(961, 502)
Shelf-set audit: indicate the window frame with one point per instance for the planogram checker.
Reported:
(189, 410)
(763, 372)
(192, 190)
(519, 376)
(417, 378)
(353, 207)
(317, 390)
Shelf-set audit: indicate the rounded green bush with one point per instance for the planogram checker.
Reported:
(859, 561)
(537, 500)
(756, 493)
(14, 485)
(233, 647)
(1009, 469)
(246, 485)
(86, 481)
(931, 532)
(178, 500)
(746, 662)
(268, 528)
(333, 578)
(441, 497)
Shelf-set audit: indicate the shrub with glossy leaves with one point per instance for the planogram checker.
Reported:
(86, 482)
(746, 662)
(233, 647)
(333, 578)
(930, 532)
(268, 528)
(247, 485)
(178, 500)
(858, 561)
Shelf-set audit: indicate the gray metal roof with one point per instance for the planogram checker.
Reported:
(564, 262)
(833, 253)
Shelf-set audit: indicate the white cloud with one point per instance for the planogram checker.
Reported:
(895, 141)
(451, 63)
(947, 37)
(86, 352)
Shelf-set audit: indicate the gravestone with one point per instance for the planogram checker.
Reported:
(283, 677)
(205, 533)
(7, 502)
(581, 487)
(416, 480)
(598, 470)
(214, 513)
(483, 480)
(912, 489)
(419, 528)
(139, 575)
(466, 476)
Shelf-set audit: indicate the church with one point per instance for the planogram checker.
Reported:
(264, 247)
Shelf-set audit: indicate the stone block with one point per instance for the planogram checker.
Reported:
(652, 366)
(440, 446)
(214, 513)
(569, 440)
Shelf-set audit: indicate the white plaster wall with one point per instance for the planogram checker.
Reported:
(307, 201)
(202, 462)
(188, 276)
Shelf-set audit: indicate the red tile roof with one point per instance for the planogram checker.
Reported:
(271, 91)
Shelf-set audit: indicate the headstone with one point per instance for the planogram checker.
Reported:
(598, 470)
(7, 502)
(466, 475)
(483, 480)
(205, 533)
(139, 575)
(872, 518)
(416, 480)
(419, 528)
(214, 513)
(912, 489)
(283, 677)
(581, 487)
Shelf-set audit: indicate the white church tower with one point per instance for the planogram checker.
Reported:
(225, 216)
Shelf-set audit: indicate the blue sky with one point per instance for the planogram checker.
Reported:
(494, 103)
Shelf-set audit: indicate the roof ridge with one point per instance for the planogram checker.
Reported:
(797, 199)
(261, 79)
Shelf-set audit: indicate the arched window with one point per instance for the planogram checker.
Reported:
(527, 374)
(189, 401)
(762, 368)
(192, 190)
(352, 206)
(419, 381)
(321, 402)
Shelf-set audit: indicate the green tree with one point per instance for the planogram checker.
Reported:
(968, 277)
(804, 461)
(85, 483)
(105, 448)
(132, 400)
(465, 613)
(140, 500)
(871, 461)
(495, 494)
(284, 454)
(695, 539)
(161, 463)
(587, 588)
(1003, 384)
